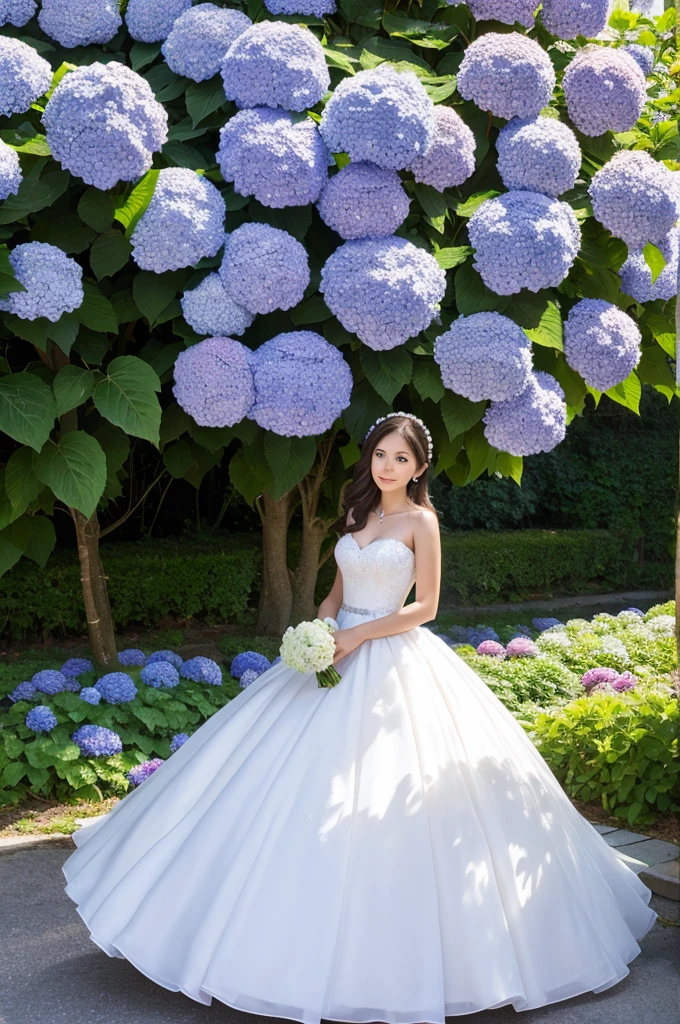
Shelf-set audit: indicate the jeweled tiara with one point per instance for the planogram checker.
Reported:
(411, 417)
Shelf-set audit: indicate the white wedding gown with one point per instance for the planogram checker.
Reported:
(390, 849)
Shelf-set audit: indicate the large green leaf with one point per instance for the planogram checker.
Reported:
(388, 372)
(290, 460)
(129, 211)
(34, 195)
(21, 484)
(74, 469)
(459, 413)
(109, 253)
(240, 476)
(177, 458)
(34, 536)
(427, 379)
(126, 397)
(27, 409)
(363, 410)
(96, 312)
(152, 292)
(96, 209)
(64, 331)
(72, 386)
(204, 98)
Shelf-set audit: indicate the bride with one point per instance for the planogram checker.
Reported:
(393, 848)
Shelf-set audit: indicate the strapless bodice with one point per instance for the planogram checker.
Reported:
(377, 577)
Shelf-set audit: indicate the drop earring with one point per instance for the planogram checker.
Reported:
(415, 479)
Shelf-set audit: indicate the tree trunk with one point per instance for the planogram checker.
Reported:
(677, 489)
(276, 596)
(95, 592)
(314, 529)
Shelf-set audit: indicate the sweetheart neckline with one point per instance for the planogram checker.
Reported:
(379, 540)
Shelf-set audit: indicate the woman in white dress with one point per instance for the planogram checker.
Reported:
(393, 848)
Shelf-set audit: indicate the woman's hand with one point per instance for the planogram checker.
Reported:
(346, 641)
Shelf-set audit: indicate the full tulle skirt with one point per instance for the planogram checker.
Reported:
(391, 849)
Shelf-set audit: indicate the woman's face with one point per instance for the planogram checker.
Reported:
(393, 463)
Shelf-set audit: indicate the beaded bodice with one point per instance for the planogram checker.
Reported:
(377, 577)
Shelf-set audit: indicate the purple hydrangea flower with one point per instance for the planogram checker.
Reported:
(80, 22)
(264, 268)
(23, 691)
(131, 656)
(570, 18)
(269, 157)
(248, 659)
(116, 687)
(198, 41)
(209, 309)
(10, 171)
(643, 57)
(17, 12)
(450, 160)
(604, 90)
(524, 240)
(521, 647)
(214, 382)
(149, 21)
(103, 123)
(535, 421)
(459, 633)
(302, 384)
(202, 670)
(491, 648)
(316, 7)
(53, 282)
(183, 223)
(385, 290)
(364, 200)
(24, 76)
(625, 681)
(636, 198)
(485, 355)
(508, 74)
(643, 6)
(508, 11)
(382, 115)
(90, 694)
(142, 771)
(597, 677)
(41, 718)
(274, 64)
(541, 624)
(177, 741)
(160, 674)
(75, 667)
(636, 276)
(601, 342)
(539, 154)
(248, 677)
(49, 680)
(97, 741)
(72, 684)
(165, 655)
(477, 634)
(521, 629)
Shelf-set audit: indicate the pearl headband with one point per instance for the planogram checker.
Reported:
(411, 417)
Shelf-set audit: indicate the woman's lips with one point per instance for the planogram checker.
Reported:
(386, 480)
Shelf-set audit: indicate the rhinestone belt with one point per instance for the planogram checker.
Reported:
(365, 611)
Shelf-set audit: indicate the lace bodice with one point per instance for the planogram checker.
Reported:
(377, 577)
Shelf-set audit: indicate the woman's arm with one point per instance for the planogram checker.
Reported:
(331, 604)
(428, 579)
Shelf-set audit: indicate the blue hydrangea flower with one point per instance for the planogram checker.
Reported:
(364, 200)
(601, 342)
(643, 6)
(523, 240)
(53, 282)
(97, 741)
(274, 64)
(264, 268)
(381, 115)
(177, 741)
(131, 656)
(636, 276)
(10, 171)
(160, 674)
(202, 670)
(643, 57)
(316, 7)
(17, 12)
(485, 355)
(638, 611)
(103, 123)
(636, 198)
(459, 633)
(535, 421)
(23, 691)
(41, 718)
(384, 290)
(542, 624)
(570, 18)
(214, 382)
(142, 771)
(80, 22)
(209, 309)
(149, 21)
(165, 655)
(75, 667)
(450, 160)
(508, 74)
(248, 677)
(90, 694)
(24, 76)
(199, 40)
(538, 154)
(269, 157)
(116, 687)
(507, 11)
(604, 90)
(248, 659)
(277, 659)
(183, 223)
(302, 384)
(49, 680)
(72, 684)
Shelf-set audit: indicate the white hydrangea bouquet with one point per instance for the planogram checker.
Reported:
(310, 647)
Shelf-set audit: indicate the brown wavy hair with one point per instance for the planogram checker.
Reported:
(362, 495)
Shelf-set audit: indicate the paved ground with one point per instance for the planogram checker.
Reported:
(50, 971)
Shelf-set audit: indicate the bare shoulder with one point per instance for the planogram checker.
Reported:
(425, 523)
